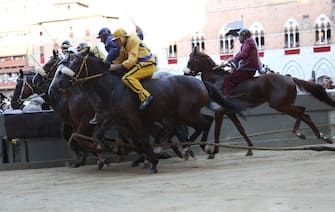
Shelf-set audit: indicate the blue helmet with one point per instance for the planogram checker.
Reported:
(66, 44)
(104, 32)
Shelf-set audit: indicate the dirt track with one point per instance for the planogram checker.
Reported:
(299, 181)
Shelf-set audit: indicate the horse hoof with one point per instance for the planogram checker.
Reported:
(300, 135)
(211, 156)
(107, 162)
(146, 165)
(186, 156)
(100, 164)
(249, 153)
(328, 140)
(76, 165)
(192, 153)
(209, 149)
(135, 164)
(153, 171)
(164, 155)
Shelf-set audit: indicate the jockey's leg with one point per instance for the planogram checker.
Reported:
(131, 79)
(96, 102)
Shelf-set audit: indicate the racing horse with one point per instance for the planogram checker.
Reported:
(178, 99)
(277, 90)
(25, 88)
(75, 111)
(78, 104)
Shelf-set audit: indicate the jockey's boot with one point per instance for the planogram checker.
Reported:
(146, 102)
(98, 108)
(97, 119)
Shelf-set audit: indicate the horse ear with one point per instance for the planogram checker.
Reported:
(84, 52)
(55, 54)
(195, 49)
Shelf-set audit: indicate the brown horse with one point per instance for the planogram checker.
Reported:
(277, 90)
(76, 99)
(178, 99)
(25, 88)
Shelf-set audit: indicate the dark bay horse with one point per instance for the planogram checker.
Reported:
(25, 88)
(81, 110)
(178, 99)
(277, 90)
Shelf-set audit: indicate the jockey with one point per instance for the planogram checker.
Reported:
(94, 50)
(139, 62)
(246, 62)
(66, 46)
(113, 51)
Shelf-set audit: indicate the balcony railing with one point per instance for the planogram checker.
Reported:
(13, 63)
(7, 85)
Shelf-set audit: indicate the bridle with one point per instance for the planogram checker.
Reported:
(77, 78)
(191, 65)
(25, 84)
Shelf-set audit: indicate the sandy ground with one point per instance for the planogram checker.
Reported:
(299, 181)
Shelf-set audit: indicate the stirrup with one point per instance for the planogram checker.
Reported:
(146, 102)
(96, 119)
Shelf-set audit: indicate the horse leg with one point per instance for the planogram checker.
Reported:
(240, 128)
(217, 129)
(153, 157)
(81, 154)
(307, 119)
(186, 148)
(181, 132)
(296, 112)
(210, 152)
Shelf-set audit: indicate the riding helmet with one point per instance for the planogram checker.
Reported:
(104, 32)
(245, 32)
(66, 44)
(119, 33)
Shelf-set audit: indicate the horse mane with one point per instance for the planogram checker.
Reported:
(105, 67)
(207, 58)
(97, 60)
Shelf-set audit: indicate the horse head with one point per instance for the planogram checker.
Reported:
(23, 89)
(45, 74)
(76, 69)
(199, 62)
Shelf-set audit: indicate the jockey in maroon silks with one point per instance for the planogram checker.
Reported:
(247, 62)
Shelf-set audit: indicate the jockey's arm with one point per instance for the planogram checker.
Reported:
(243, 54)
(113, 53)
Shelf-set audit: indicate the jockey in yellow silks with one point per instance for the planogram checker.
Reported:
(139, 62)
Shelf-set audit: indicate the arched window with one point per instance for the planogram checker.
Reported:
(322, 30)
(172, 50)
(257, 32)
(291, 34)
(198, 40)
(226, 43)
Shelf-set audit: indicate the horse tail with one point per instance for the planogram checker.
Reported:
(316, 90)
(232, 105)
